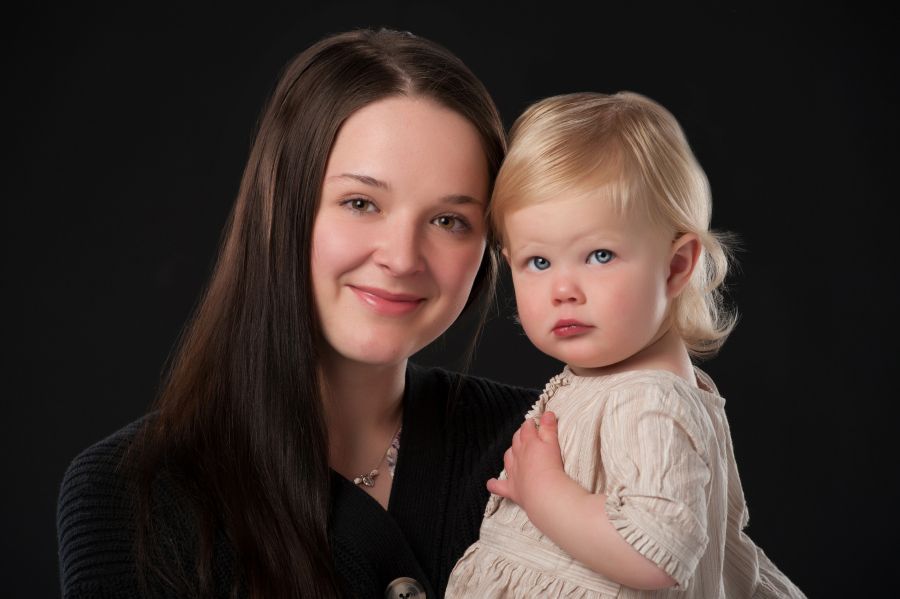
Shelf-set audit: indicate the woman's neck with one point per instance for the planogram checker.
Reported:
(361, 394)
(363, 410)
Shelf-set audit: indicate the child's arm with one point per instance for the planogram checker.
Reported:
(569, 515)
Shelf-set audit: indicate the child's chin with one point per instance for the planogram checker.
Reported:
(587, 367)
(587, 360)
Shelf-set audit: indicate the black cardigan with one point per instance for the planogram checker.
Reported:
(451, 444)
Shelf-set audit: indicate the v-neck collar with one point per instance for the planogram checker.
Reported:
(391, 539)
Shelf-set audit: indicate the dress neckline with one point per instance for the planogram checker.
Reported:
(704, 382)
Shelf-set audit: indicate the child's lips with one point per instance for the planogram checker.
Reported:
(569, 328)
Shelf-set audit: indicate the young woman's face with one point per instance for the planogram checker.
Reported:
(400, 230)
(591, 285)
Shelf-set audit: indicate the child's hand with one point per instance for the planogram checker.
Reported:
(533, 461)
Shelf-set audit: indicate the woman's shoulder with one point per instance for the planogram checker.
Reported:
(98, 468)
(468, 392)
(94, 517)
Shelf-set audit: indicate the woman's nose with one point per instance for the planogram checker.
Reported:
(566, 290)
(400, 251)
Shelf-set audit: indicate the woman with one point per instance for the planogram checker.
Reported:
(270, 467)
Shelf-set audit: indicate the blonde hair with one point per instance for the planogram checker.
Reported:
(634, 151)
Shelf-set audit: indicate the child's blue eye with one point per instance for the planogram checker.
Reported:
(538, 263)
(600, 257)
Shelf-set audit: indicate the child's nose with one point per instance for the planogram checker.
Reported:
(567, 291)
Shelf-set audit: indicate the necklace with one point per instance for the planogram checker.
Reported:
(368, 480)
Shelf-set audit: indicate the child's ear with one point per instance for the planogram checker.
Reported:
(684, 256)
(505, 253)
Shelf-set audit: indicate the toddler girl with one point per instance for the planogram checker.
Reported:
(603, 214)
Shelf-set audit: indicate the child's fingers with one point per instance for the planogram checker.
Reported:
(516, 440)
(498, 487)
(548, 426)
(509, 460)
(528, 430)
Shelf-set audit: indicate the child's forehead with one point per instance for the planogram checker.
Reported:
(581, 211)
(566, 218)
(601, 199)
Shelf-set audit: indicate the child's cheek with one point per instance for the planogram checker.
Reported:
(529, 306)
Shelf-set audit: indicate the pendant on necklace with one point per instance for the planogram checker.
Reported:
(366, 480)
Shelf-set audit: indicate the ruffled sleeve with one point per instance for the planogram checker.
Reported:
(654, 452)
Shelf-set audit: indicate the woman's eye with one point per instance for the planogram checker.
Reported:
(360, 205)
(538, 263)
(600, 257)
(452, 223)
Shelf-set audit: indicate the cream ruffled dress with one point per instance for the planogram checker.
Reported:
(661, 450)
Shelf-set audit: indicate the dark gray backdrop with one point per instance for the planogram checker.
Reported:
(129, 130)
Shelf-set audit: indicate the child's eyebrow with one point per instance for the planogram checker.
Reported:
(597, 237)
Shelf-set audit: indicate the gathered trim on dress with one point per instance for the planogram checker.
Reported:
(502, 578)
(646, 545)
(556, 381)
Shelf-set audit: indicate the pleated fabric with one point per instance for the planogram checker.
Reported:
(660, 449)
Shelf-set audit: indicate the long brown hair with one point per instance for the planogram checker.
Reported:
(240, 427)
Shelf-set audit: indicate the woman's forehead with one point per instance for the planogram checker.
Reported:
(407, 141)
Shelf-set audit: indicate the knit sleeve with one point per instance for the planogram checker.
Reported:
(654, 454)
(95, 525)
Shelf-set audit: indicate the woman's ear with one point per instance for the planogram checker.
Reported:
(684, 256)
(505, 253)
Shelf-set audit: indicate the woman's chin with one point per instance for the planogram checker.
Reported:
(364, 343)
(371, 352)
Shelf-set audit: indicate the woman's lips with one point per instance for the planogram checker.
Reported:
(570, 328)
(385, 302)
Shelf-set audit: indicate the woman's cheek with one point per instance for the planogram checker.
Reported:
(338, 245)
(459, 265)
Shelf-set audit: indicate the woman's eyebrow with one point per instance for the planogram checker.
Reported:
(454, 198)
(460, 199)
(364, 179)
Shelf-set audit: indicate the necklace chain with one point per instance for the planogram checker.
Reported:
(368, 480)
